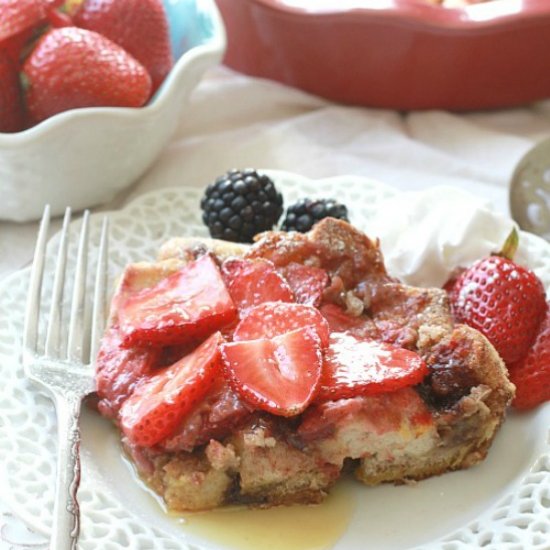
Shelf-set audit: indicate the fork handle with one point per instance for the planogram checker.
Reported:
(66, 513)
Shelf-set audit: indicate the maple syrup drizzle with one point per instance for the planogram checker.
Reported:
(298, 527)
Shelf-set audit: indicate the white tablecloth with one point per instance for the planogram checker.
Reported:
(236, 121)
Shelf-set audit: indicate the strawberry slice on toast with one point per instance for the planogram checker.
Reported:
(307, 282)
(119, 370)
(355, 367)
(253, 282)
(188, 305)
(158, 406)
(280, 375)
(338, 320)
(274, 319)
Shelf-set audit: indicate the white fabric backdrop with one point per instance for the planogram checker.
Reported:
(236, 121)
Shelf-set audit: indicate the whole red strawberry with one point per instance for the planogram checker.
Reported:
(11, 106)
(503, 300)
(532, 374)
(71, 68)
(139, 26)
(16, 45)
(18, 15)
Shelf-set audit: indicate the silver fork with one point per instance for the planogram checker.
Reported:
(65, 371)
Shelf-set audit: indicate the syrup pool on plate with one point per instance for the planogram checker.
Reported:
(298, 527)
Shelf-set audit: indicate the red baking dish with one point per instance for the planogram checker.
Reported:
(398, 54)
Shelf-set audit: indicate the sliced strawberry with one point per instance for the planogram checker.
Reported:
(307, 282)
(338, 320)
(280, 375)
(253, 282)
(189, 304)
(277, 318)
(218, 414)
(532, 374)
(172, 354)
(355, 367)
(158, 406)
(120, 370)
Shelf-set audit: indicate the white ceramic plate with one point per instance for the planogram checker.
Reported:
(502, 504)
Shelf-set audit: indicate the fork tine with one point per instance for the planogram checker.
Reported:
(54, 320)
(30, 331)
(76, 323)
(100, 291)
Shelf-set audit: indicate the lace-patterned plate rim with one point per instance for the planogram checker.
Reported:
(142, 225)
(18, 536)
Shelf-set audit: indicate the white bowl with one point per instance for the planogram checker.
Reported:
(84, 157)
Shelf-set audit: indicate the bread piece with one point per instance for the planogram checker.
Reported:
(446, 423)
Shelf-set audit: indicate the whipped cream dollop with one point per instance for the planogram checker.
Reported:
(425, 235)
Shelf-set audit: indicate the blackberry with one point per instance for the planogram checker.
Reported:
(240, 204)
(304, 214)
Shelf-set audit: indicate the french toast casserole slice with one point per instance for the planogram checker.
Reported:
(226, 451)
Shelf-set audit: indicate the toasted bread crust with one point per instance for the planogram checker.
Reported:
(466, 429)
(446, 424)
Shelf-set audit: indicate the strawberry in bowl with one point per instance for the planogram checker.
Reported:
(251, 373)
(71, 68)
(100, 60)
(84, 84)
(140, 27)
